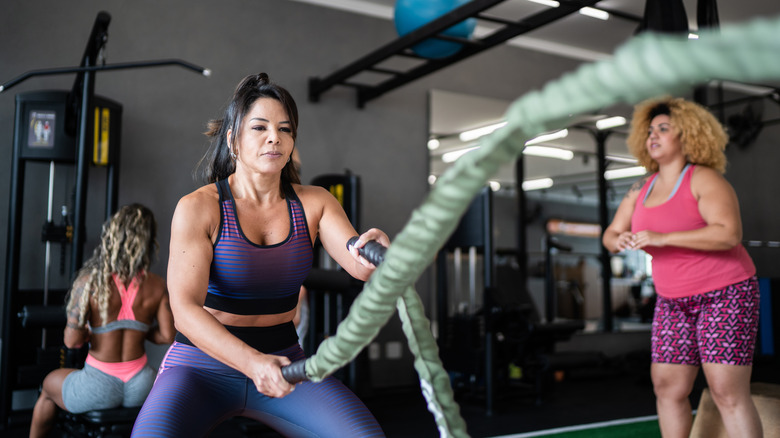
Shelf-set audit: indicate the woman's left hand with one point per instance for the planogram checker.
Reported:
(647, 238)
(373, 234)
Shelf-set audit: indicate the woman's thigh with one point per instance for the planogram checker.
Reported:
(188, 402)
(322, 409)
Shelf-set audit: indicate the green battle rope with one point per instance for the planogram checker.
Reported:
(647, 66)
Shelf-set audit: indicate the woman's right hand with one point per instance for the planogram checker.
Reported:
(266, 373)
(624, 241)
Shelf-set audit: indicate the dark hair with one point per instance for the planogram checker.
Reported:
(217, 164)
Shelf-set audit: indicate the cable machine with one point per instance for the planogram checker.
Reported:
(74, 129)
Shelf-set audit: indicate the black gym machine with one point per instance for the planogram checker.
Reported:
(73, 128)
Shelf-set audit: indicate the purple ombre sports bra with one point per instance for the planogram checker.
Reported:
(251, 279)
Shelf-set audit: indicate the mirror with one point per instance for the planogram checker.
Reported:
(572, 196)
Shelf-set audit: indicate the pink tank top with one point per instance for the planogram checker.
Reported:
(681, 272)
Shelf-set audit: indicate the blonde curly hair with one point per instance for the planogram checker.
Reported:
(702, 138)
(128, 244)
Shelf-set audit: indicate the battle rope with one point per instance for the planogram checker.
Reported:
(645, 67)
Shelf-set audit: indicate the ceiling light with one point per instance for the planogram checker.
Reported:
(693, 36)
(547, 137)
(474, 134)
(494, 185)
(451, 157)
(595, 13)
(610, 122)
(548, 152)
(433, 144)
(619, 159)
(625, 172)
(431, 179)
(550, 3)
(537, 184)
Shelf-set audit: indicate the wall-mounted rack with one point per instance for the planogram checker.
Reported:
(402, 47)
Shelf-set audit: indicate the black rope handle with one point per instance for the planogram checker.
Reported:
(372, 251)
(295, 372)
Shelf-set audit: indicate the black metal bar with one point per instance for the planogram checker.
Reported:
(606, 270)
(384, 71)
(522, 207)
(442, 298)
(319, 86)
(82, 169)
(94, 68)
(112, 173)
(459, 40)
(9, 362)
(523, 26)
(487, 298)
(497, 20)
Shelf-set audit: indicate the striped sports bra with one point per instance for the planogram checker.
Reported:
(251, 279)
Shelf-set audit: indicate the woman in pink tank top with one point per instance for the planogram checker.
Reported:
(112, 306)
(686, 216)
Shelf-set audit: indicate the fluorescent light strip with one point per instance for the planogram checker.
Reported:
(537, 184)
(474, 134)
(618, 159)
(550, 3)
(547, 137)
(594, 13)
(548, 152)
(451, 157)
(625, 172)
(610, 122)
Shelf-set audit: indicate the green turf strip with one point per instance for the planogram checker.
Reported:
(645, 427)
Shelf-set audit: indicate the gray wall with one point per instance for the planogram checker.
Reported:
(166, 109)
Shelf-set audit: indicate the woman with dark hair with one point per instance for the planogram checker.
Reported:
(241, 246)
(112, 305)
(686, 216)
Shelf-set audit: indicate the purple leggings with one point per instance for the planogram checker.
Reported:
(714, 327)
(193, 393)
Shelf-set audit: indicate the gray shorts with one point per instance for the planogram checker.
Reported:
(90, 389)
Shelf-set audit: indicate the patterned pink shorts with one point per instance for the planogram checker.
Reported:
(714, 327)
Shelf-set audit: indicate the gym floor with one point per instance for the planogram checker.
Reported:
(619, 390)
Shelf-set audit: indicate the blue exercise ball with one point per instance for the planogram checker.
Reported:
(411, 14)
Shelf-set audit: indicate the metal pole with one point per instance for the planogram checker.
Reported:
(79, 230)
(606, 270)
(47, 259)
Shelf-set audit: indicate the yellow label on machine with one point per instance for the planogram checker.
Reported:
(338, 191)
(102, 125)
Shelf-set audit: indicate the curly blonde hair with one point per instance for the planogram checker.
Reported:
(703, 139)
(128, 244)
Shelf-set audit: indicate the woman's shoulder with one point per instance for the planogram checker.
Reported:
(154, 279)
(202, 199)
(199, 209)
(310, 193)
(705, 175)
(633, 192)
(707, 179)
(154, 284)
(705, 171)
